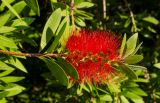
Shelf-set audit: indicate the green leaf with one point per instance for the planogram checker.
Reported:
(18, 64)
(131, 44)
(133, 97)
(56, 71)
(130, 84)
(137, 48)
(123, 45)
(84, 5)
(127, 23)
(105, 97)
(11, 9)
(33, 4)
(135, 67)
(142, 80)
(7, 72)
(157, 65)
(18, 7)
(67, 67)
(7, 42)
(9, 79)
(3, 94)
(133, 59)
(151, 19)
(138, 91)
(66, 32)
(4, 18)
(83, 14)
(4, 66)
(113, 87)
(23, 22)
(16, 89)
(80, 22)
(50, 28)
(128, 71)
(124, 99)
(3, 100)
(57, 38)
(6, 29)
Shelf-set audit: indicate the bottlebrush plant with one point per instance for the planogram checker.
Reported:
(94, 60)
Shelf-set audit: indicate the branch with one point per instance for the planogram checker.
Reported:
(31, 54)
(132, 16)
(104, 9)
(72, 14)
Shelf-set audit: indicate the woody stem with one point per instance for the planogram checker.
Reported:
(31, 54)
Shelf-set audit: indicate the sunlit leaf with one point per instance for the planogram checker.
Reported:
(16, 89)
(50, 28)
(9, 79)
(133, 59)
(23, 22)
(157, 65)
(105, 97)
(80, 22)
(18, 64)
(66, 33)
(151, 19)
(127, 23)
(84, 5)
(6, 29)
(131, 44)
(7, 42)
(138, 91)
(18, 7)
(33, 4)
(123, 45)
(124, 99)
(4, 18)
(11, 9)
(136, 67)
(137, 48)
(57, 38)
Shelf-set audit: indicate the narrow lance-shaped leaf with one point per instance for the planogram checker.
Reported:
(123, 45)
(131, 44)
(10, 79)
(18, 7)
(128, 71)
(50, 28)
(4, 18)
(7, 42)
(66, 32)
(137, 48)
(33, 4)
(15, 62)
(14, 90)
(84, 5)
(157, 65)
(67, 67)
(56, 40)
(133, 59)
(56, 71)
(11, 8)
(6, 29)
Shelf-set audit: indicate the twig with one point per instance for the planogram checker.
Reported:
(72, 15)
(104, 9)
(31, 54)
(132, 16)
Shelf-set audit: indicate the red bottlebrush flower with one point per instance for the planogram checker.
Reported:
(90, 52)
